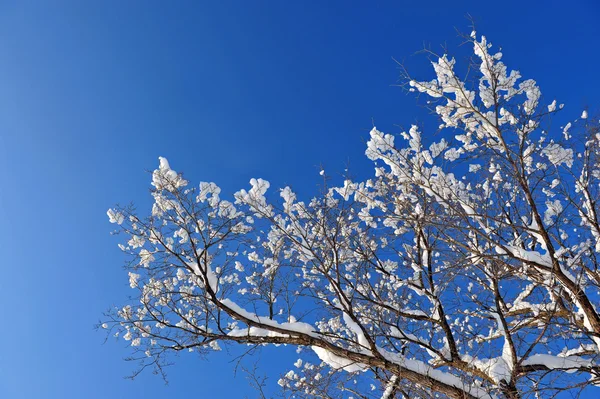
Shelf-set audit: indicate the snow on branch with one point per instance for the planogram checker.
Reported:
(465, 267)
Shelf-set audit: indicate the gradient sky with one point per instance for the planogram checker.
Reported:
(92, 92)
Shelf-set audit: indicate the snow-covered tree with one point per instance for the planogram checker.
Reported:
(466, 267)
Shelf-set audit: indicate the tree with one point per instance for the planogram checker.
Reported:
(467, 267)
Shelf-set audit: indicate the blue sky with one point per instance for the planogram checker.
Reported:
(91, 93)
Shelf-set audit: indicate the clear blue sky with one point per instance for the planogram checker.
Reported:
(91, 93)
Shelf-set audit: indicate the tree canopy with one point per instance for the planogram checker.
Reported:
(465, 267)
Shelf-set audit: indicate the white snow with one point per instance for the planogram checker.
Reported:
(435, 374)
(338, 362)
(570, 363)
(558, 155)
(133, 279)
(362, 340)
(389, 390)
(115, 216)
(293, 327)
(501, 369)
(165, 178)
